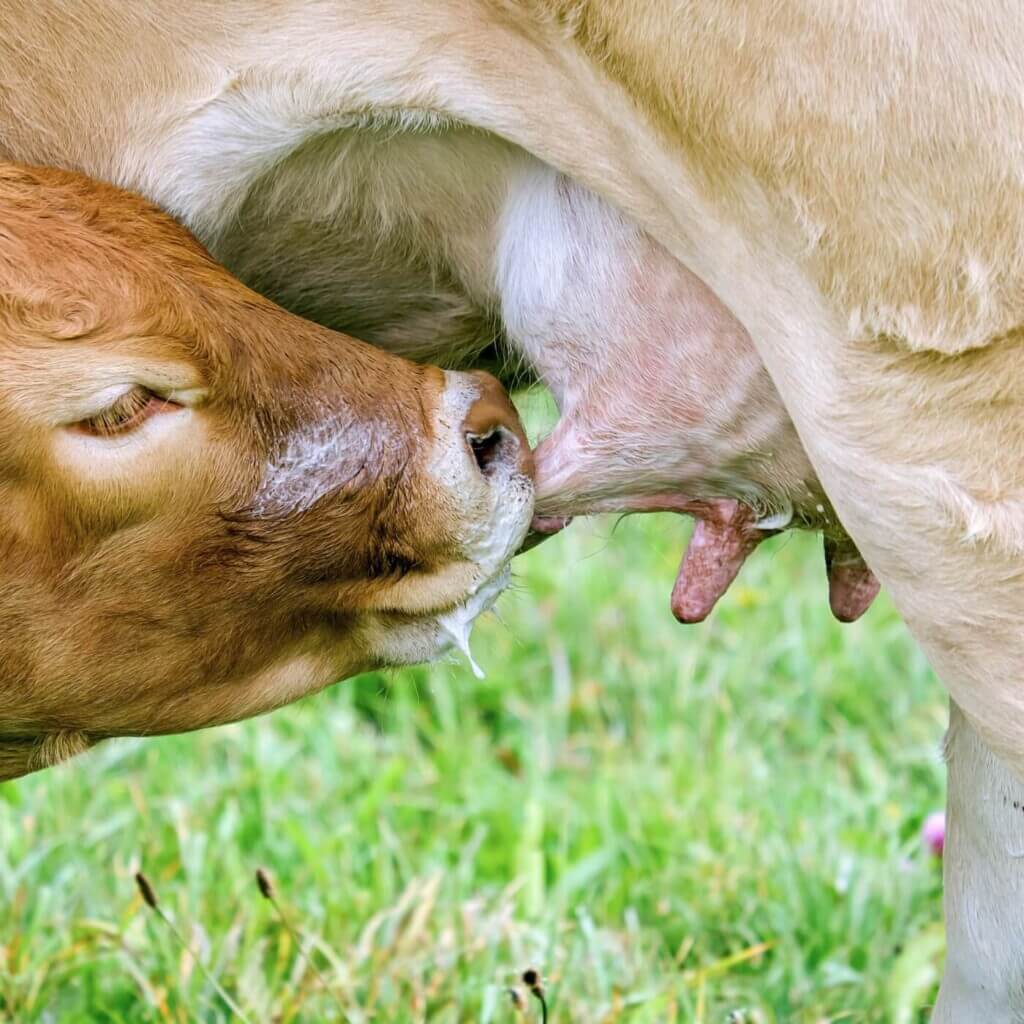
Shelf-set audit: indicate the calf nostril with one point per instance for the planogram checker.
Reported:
(492, 432)
(492, 449)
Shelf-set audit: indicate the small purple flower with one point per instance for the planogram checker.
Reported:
(933, 833)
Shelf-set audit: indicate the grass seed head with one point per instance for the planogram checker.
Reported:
(532, 980)
(145, 890)
(265, 884)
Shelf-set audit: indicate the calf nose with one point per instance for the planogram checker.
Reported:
(493, 431)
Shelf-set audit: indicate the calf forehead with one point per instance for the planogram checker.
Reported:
(80, 260)
(54, 218)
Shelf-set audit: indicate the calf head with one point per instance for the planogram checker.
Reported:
(209, 507)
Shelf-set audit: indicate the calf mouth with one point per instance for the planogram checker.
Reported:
(397, 639)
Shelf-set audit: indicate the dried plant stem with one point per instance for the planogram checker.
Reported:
(531, 979)
(266, 887)
(539, 995)
(149, 898)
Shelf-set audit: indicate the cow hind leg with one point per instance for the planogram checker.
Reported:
(984, 885)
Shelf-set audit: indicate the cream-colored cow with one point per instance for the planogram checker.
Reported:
(846, 178)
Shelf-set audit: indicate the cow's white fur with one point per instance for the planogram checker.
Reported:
(420, 206)
(846, 178)
(557, 273)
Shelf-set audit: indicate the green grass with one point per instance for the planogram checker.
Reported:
(672, 823)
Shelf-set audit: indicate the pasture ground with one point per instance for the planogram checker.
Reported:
(696, 824)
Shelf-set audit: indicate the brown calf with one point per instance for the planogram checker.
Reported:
(209, 507)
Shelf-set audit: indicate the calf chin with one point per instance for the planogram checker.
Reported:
(20, 756)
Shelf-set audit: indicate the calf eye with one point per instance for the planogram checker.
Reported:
(129, 411)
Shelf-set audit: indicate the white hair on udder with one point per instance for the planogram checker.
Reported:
(563, 260)
(328, 452)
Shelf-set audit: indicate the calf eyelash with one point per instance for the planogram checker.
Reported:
(127, 412)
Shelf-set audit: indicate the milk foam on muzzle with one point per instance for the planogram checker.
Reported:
(457, 625)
